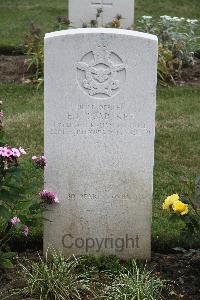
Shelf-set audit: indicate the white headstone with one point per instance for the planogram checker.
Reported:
(83, 11)
(100, 100)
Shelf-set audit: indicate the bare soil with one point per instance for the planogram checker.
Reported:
(191, 75)
(183, 271)
(15, 69)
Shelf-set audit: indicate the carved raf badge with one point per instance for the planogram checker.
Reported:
(101, 72)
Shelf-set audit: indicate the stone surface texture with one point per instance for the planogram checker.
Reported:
(100, 102)
(83, 11)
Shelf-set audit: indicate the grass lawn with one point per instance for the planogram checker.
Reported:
(16, 15)
(177, 152)
(177, 145)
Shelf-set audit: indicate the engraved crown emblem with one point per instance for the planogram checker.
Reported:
(101, 69)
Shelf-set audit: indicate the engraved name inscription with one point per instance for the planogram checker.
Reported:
(102, 3)
(97, 119)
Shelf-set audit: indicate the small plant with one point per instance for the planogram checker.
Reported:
(135, 283)
(94, 23)
(12, 207)
(35, 52)
(178, 41)
(40, 161)
(186, 209)
(17, 210)
(62, 23)
(115, 23)
(169, 68)
(54, 278)
(102, 265)
(98, 14)
(1, 116)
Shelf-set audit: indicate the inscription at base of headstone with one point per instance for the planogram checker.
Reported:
(83, 11)
(100, 99)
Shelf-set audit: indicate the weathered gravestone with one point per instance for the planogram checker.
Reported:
(100, 99)
(83, 11)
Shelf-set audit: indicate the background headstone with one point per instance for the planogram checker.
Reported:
(83, 11)
(100, 100)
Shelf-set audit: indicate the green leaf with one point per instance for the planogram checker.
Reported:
(18, 226)
(9, 195)
(6, 263)
(174, 217)
(22, 205)
(5, 213)
(7, 255)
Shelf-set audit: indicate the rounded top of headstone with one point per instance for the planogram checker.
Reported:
(99, 31)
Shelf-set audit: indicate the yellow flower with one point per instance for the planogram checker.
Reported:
(115, 23)
(180, 207)
(169, 201)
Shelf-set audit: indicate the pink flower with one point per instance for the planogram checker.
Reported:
(40, 161)
(9, 152)
(49, 197)
(3, 151)
(22, 151)
(25, 230)
(16, 152)
(14, 221)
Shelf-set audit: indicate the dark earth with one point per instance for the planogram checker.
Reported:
(183, 271)
(13, 68)
(191, 75)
